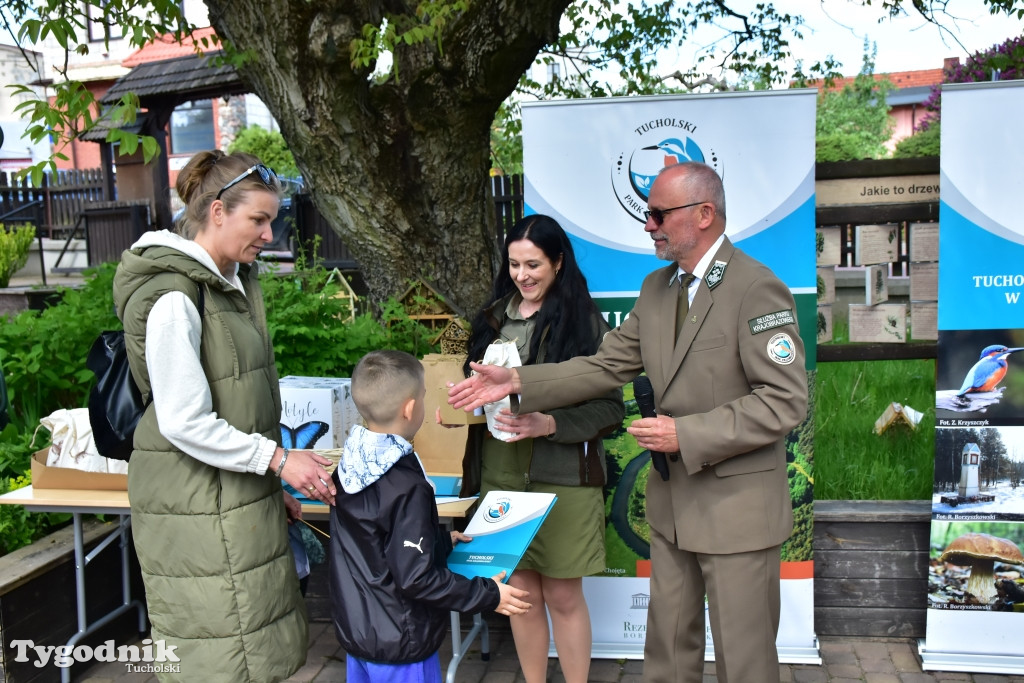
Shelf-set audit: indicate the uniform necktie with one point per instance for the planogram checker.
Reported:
(683, 303)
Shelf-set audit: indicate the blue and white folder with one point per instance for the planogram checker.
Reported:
(502, 528)
(445, 485)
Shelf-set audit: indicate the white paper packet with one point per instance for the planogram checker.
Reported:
(506, 355)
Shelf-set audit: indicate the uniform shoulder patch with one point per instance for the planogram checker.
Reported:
(715, 274)
(770, 321)
(781, 349)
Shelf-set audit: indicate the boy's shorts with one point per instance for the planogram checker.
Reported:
(361, 671)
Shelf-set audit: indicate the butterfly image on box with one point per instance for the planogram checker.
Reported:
(299, 438)
(303, 436)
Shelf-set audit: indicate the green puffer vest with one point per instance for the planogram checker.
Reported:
(220, 578)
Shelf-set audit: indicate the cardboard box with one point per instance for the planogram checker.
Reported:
(441, 447)
(439, 370)
(44, 477)
(317, 412)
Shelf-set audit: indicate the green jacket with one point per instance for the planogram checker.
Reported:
(220, 579)
(572, 456)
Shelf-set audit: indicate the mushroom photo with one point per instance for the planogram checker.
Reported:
(980, 552)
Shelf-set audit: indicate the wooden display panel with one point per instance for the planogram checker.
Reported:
(924, 281)
(828, 249)
(876, 244)
(924, 320)
(826, 284)
(885, 323)
(924, 241)
(876, 285)
(824, 323)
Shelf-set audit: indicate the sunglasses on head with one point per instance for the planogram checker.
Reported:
(658, 215)
(266, 175)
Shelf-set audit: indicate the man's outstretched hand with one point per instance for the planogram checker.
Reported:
(490, 383)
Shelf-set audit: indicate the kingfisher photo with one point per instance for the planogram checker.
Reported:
(981, 371)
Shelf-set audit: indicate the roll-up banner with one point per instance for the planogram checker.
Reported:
(975, 593)
(589, 164)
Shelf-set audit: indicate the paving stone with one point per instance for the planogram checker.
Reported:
(839, 656)
(333, 671)
(633, 667)
(810, 675)
(877, 665)
(605, 670)
(843, 671)
(905, 660)
(881, 678)
(489, 677)
(869, 649)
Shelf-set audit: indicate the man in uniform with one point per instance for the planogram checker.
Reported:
(717, 335)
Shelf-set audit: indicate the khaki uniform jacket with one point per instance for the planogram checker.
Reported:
(735, 381)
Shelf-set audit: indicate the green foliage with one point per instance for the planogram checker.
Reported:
(851, 462)
(799, 547)
(73, 109)
(853, 123)
(18, 526)
(923, 143)
(14, 246)
(312, 335)
(1001, 62)
(507, 139)
(270, 147)
(43, 352)
(425, 24)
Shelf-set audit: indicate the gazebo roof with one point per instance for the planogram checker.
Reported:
(179, 79)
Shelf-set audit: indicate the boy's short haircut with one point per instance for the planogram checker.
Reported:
(384, 380)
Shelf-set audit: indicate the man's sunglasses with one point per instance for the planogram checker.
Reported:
(659, 214)
(266, 175)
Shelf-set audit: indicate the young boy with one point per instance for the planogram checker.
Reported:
(390, 587)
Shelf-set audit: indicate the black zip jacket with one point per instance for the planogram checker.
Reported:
(391, 590)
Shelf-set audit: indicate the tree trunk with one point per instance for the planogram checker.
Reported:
(399, 168)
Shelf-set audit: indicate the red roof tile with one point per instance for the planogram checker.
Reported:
(167, 47)
(901, 79)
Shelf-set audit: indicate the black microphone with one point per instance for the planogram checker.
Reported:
(643, 392)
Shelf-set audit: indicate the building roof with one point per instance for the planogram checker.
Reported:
(168, 47)
(901, 79)
(179, 79)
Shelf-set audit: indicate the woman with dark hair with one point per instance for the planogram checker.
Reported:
(541, 303)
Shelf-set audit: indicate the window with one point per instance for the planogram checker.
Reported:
(100, 24)
(192, 127)
(554, 72)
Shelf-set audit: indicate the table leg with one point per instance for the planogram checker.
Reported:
(460, 647)
(81, 561)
